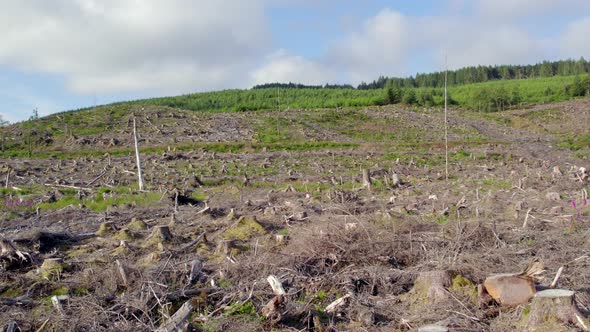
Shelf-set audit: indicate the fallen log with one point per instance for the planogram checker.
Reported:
(338, 304)
(192, 243)
(47, 241)
(175, 296)
(20, 301)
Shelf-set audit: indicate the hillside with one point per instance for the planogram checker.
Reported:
(65, 128)
(334, 196)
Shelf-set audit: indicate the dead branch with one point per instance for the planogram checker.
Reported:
(67, 186)
(276, 285)
(179, 320)
(192, 243)
(19, 301)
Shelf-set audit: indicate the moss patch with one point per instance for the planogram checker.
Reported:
(51, 269)
(464, 286)
(125, 234)
(244, 229)
(63, 290)
(137, 225)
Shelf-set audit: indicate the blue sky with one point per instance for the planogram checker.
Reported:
(67, 54)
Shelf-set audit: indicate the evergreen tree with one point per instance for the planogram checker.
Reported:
(410, 97)
(393, 94)
(426, 98)
(35, 115)
(515, 97)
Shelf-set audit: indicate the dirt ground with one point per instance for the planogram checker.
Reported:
(514, 194)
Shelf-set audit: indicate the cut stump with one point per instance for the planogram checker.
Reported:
(552, 310)
(431, 287)
(105, 228)
(161, 233)
(51, 268)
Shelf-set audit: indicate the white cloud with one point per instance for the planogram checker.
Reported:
(574, 39)
(380, 46)
(283, 67)
(116, 45)
(388, 43)
(472, 43)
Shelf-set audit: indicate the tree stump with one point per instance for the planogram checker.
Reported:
(431, 287)
(51, 268)
(395, 181)
(122, 249)
(105, 228)
(162, 233)
(124, 235)
(227, 247)
(366, 179)
(552, 310)
(281, 238)
(137, 225)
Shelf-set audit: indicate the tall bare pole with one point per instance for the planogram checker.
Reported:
(278, 110)
(139, 174)
(446, 130)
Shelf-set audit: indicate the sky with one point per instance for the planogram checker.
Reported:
(66, 54)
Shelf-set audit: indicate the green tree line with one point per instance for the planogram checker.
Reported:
(479, 74)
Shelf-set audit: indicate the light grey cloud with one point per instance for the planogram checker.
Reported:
(125, 45)
(381, 45)
(389, 42)
(471, 42)
(283, 67)
(574, 40)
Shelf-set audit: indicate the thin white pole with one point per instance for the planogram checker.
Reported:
(278, 110)
(139, 174)
(446, 130)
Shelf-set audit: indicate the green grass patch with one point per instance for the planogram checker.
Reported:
(245, 309)
(99, 203)
(576, 143)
